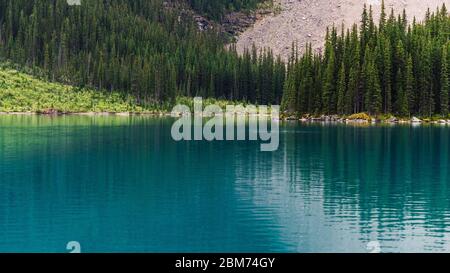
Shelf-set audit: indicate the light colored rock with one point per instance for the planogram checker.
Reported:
(85, 114)
(416, 120)
(104, 114)
(123, 114)
(392, 120)
(357, 121)
(22, 113)
(74, 2)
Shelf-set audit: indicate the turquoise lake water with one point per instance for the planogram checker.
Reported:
(121, 184)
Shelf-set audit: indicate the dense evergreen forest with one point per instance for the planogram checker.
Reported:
(153, 51)
(389, 67)
(147, 48)
(217, 8)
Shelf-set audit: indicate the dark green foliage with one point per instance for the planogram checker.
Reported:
(217, 8)
(153, 52)
(444, 81)
(378, 68)
(341, 90)
(145, 48)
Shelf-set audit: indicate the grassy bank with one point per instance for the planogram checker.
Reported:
(23, 93)
(20, 92)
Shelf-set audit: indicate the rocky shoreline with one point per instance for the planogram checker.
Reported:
(370, 120)
(292, 118)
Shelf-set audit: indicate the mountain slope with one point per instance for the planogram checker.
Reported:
(150, 49)
(305, 21)
(20, 92)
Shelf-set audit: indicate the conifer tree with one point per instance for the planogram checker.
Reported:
(444, 83)
(330, 84)
(341, 89)
(409, 88)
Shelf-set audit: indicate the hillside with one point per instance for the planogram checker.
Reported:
(151, 52)
(20, 92)
(305, 21)
(150, 49)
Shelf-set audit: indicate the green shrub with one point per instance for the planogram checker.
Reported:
(20, 92)
(363, 116)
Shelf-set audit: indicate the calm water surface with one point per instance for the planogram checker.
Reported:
(121, 184)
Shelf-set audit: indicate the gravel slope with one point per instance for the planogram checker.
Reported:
(306, 21)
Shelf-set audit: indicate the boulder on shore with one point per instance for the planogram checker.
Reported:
(358, 121)
(392, 120)
(416, 120)
(123, 114)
